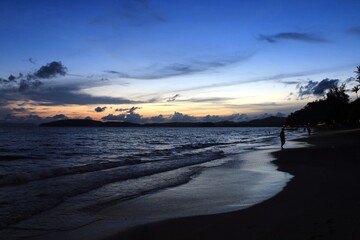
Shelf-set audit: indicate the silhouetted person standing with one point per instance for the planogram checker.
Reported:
(282, 137)
(309, 130)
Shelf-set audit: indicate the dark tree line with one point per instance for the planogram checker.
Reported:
(334, 110)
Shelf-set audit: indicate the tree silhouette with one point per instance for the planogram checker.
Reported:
(331, 110)
(337, 94)
(355, 90)
(335, 109)
(358, 74)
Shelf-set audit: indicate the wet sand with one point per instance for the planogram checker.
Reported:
(322, 201)
(226, 185)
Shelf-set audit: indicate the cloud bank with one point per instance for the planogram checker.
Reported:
(32, 87)
(132, 116)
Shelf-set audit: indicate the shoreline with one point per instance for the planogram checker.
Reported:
(229, 179)
(320, 202)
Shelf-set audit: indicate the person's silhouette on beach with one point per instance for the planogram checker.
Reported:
(282, 137)
(309, 130)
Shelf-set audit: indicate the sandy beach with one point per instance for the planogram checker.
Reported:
(322, 201)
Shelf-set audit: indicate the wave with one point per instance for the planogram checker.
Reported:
(48, 193)
(153, 156)
(24, 177)
(180, 149)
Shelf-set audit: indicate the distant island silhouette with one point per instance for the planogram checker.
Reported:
(265, 122)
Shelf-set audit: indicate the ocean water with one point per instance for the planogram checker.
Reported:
(55, 172)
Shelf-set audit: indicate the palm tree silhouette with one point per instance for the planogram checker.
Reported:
(358, 74)
(355, 90)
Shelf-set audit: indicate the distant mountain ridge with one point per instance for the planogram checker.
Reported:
(265, 122)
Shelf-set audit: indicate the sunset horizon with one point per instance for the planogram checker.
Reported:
(181, 119)
(148, 61)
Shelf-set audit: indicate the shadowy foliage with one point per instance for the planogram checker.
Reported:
(334, 110)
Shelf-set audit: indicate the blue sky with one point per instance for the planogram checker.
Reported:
(151, 58)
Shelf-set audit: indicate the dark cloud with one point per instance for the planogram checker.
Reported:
(180, 117)
(31, 81)
(30, 87)
(100, 109)
(137, 118)
(63, 96)
(127, 110)
(51, 70)
(126, 117)
(56, 117)
(56, 96)
(157, 119)
(296, 36)
(324, 85)
(307, 89)
(28, 84)
(180, 69)
(173, 98)
(290, 82)
(21, 109)
(237, 117)
(112, 117)
(316, 88)
(11, 78)
(118, 74)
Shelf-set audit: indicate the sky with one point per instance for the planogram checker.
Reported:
(159, 60)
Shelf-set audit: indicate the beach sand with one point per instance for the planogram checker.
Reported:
(322, 201)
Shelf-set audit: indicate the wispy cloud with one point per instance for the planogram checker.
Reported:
(277, 77)
(205, 100)
(173, 98)
(116, 73)
(127, 110)
(293, 36)
(64, 96)
(181, 69)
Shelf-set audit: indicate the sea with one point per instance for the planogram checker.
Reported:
(59, 171)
